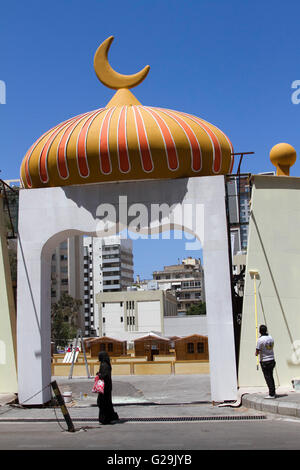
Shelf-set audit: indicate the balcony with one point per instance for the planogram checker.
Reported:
(111, 278)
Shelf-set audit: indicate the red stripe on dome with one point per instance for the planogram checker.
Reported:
(82, 161)
(232, 156)
(42, 164)
(145, 152)
(193, 141)
(43, 159)
(124, 163)
(62, 166)
(170, 146)
(27, 160)
(104, 156)
(29, 153)
(231, 149)
(26, 166)
(217, 159)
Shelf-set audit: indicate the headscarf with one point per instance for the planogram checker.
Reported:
(104, 358)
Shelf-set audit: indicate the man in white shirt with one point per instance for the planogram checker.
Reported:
(265, 349)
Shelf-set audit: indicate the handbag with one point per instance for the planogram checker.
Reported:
(98, 386)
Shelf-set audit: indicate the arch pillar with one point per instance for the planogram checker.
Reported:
(49, 215)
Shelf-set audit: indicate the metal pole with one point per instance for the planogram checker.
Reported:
(85, 359)
(62, 405)
(256, 322)
(73, 357)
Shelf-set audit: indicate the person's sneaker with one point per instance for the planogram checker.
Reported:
(270, 396)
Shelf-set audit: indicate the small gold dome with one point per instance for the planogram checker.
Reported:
(283, 156)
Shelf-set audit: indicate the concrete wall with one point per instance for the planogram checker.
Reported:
(185, 326)
(49, 215)
(149, 316)
(273, 250)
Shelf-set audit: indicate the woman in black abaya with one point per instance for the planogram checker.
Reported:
(104, 400)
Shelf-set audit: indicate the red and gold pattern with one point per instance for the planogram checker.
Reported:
(125, 141)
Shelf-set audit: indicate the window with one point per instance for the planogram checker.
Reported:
(110, 347)
(190, 348)
(121, 319)
(200, 347)
(103, 319)
(102, 346)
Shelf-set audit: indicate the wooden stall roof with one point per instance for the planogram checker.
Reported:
(152, 336)
(194, 337)
(103, 339)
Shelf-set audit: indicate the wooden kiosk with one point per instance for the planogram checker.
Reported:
(194, 347)
(151, 345)
(112, 346)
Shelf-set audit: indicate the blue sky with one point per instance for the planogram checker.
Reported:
(230, 62)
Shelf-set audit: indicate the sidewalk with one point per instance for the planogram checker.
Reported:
(155, 397)
(286, 403)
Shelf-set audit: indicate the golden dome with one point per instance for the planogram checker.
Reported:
(283, 156)
(126, 141)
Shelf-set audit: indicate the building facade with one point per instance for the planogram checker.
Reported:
(185, 281)
(108, 267)
(128, 314)
(67, 272)
(238, 196)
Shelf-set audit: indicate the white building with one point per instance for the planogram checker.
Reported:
(129, 314)
(108, 267)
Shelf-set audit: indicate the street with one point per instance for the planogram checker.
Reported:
(157, 413)
(272, 433)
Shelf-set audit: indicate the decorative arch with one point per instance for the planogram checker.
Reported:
(50, 215)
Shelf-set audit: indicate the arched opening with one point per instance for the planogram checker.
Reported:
(142, 300)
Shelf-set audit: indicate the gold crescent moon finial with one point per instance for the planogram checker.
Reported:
(108, 76)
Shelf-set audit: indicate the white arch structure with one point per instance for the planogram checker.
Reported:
(47, 216)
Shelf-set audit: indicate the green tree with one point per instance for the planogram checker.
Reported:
(64, 319)
(197, 309)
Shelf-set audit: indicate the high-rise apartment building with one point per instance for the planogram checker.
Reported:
(185, 281)
(108, 267)
(239, 195)
(67, 272)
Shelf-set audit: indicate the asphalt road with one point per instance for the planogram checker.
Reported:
(269, 434)
(147, 407)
